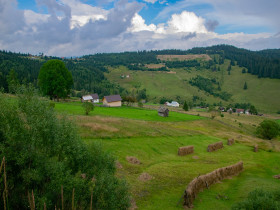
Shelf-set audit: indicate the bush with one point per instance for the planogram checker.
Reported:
(44, 152)
(259, 199)
(268, 129)
(278, 112)
(88, 106)
(140, 104)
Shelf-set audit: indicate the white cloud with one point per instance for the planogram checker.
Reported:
(74, 28)
(138, 24)
(151, 1)
(186, 22)
(232, 14)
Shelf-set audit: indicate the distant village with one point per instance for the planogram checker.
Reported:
(116, 101)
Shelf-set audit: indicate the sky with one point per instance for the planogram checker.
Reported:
(79, 27)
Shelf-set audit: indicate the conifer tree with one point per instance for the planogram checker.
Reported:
(185, 106)
(245, 87)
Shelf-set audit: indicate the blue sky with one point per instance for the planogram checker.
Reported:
(77, 27)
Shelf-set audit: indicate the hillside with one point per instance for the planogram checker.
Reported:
(154, 141)
(262, 92)
(202, 76)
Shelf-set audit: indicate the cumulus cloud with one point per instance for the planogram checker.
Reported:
(186, 22)
(73, 28)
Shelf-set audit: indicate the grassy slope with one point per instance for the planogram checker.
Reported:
(155, 144)
(263, 93)
(127, 112)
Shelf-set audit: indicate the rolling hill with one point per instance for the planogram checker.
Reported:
(262, 92)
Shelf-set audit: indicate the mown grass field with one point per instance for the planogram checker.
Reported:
(125, 112)
(130, 132)
(263, 93)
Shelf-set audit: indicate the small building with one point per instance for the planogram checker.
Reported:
(163, 112)
(94, 98)
(230, 110)
(240, 111)
(173, 104)
(222, 109)
(112, 101)
(87, 98)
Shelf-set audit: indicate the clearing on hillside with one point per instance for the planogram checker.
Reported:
(183, 57)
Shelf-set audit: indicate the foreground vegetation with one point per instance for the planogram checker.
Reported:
(155, 143)
(47, 165)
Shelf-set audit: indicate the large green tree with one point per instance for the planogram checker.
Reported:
(55, 80)
(268, 129)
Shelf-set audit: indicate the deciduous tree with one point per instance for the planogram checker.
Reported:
(55, 80)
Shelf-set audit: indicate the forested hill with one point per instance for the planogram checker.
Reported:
(24, 69)
(88, 71)
(264, 63)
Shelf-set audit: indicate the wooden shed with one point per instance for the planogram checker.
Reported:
(163, 111)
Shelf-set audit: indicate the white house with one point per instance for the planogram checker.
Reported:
(173, 104)
(94, 98)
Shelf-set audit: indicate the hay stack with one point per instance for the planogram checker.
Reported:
(185, 150)
(205, 181)
(215, 146)
(256, 148)
(133, 160)
(230, 142)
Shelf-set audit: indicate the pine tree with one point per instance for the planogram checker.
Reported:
(185, 106)
(245, 86)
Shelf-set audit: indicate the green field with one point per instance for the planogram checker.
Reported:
(128, 131)
(263, 93)
(124, 112)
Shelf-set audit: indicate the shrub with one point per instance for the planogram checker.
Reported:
(44, 152)
(88, 106)
(259, 199)
(140, 104)
(278, 112)
(268, 129)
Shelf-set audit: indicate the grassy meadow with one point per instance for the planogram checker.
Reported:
(125, 112)
(128, 131)
(263, 93)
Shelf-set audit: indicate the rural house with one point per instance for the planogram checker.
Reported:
(163, 112)
(112, 101)
(240, 111)
(94, 98)
(173, 104)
